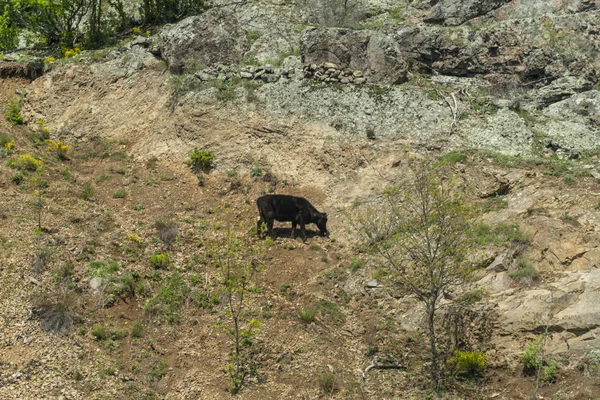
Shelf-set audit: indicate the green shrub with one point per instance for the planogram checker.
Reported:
(495, 203)
(14, 112)
(120, 193)
(160, 261)
(100, 332)
(138, 330)
(355, 264)
(201, 160)
(469, 363)
(87, 191)
(525, 272)
(531, 357)
(308, 315)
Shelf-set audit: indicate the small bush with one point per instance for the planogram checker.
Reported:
(531, 357)
(167, 231)
(355, 264)
(120, 194)
(27, 162)
(58, 148)
(56, 310)
(17, 178)
(469, 363)
(138, 330)
(100, 332)
(328, 383)
(201, 160)
(138, 207)
(308, 315)
(160, 261)
(87, 191)
(14, 112)
(526, 272)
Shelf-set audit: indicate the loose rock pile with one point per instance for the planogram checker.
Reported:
(330, 72)
(327, 72)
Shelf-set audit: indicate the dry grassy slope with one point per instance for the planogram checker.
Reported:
(130, 117)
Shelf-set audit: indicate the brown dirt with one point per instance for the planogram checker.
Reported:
(142, 149)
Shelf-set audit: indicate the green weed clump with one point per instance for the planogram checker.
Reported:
(160, 261)
(453, 157)
(14, 112)
(526, 272)
(201, 160)
(469, 363)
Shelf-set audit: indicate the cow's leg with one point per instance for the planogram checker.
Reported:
(294, 229)
(260, 227)
(270, 228)
(302, 227)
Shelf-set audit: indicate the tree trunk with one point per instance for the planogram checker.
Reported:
(435, 378)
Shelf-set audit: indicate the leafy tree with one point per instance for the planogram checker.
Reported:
(161, 11)
(9, 30)
(420, 233)
(56, 21)
(239, 257)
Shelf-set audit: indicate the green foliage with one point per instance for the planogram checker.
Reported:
(201, 160)
(531, 357)
(355, 264)
(9, 29)
(137, 331)
(119, 193)
(238, 258)
(453, 157)
(502, 234)
(169, 300)
(495, 203)
(308, 315)
(420, 234)
(155, 12)
(160, 261)
(158, 371)
(472, 297)
(469, 363)
(226, 89)
(525, 272)
(87, 191)
(104, 268)
(14, 111)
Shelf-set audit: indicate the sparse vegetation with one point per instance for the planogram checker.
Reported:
(526, 272)
(87, 191)
(56, 310)
(167, 231)
(119, 193)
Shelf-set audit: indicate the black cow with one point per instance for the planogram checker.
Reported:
(283, 207)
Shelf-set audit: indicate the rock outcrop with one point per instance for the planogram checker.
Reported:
(204, 40)
(376, 55)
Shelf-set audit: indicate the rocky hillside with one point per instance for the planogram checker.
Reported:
(324, 99)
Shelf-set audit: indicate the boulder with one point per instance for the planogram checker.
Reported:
(377, 56)
(204, 40)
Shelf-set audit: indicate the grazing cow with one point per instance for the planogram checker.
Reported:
(282, 208)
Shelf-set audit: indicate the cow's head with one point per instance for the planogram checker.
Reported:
(322, 224)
